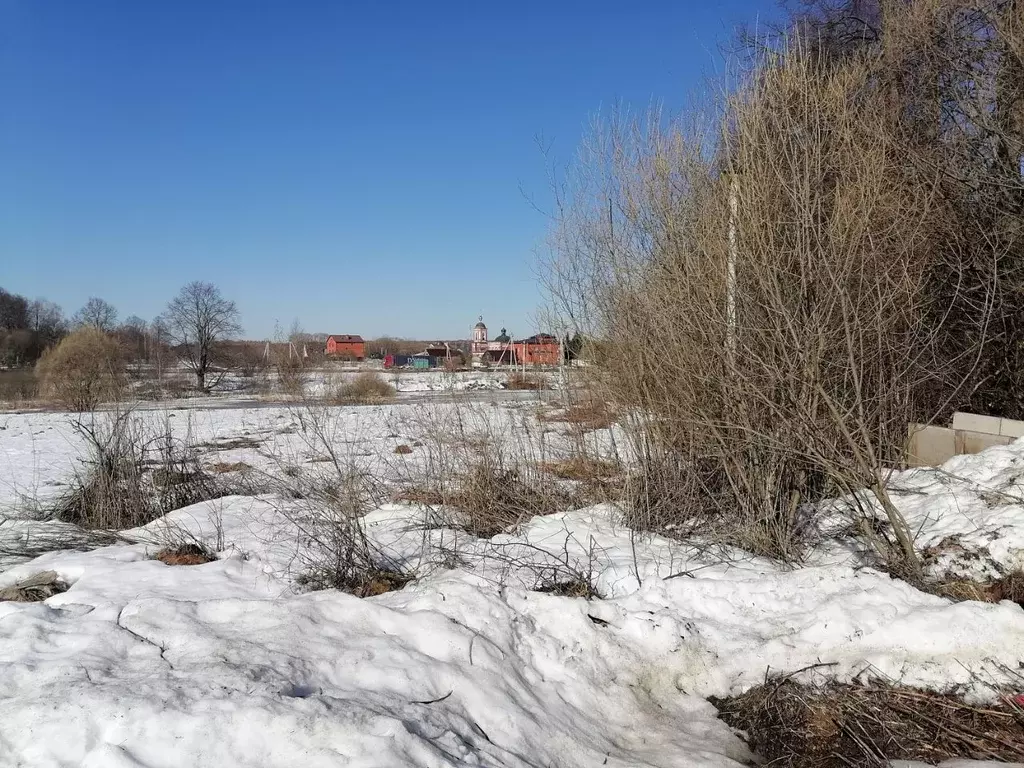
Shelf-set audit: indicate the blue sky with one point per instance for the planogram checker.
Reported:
(358, 166)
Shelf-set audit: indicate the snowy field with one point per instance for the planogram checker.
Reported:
(234, 663)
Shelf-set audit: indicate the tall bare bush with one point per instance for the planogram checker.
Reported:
(762, 289)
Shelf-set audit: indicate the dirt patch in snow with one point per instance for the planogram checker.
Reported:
(800, 726)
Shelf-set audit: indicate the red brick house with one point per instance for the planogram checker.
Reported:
(346, 345)
(542, 349)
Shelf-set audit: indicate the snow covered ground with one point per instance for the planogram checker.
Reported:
(232, 663)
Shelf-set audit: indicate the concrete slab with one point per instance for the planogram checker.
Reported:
(973, 422)
(976, 442)
(930, 446)
(1011, 428)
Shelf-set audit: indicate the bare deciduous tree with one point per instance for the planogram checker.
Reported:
(46, 318)
(13, 311)
(96, 313)
(196, 320)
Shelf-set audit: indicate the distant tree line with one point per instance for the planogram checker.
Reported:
(191, 330)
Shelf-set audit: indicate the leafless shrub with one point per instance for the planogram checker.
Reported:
(366, 388)
(291, 377)
(250, 360)
(953, 72)
(769, 315)
(493, 498)
(328, 507)
(130, 477)
(83, 370)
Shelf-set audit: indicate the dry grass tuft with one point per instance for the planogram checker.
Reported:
(489, 498)
(587, 416)
(581, 468)
(1009, 587)
(365, 389)
(525, 381)
(403, 450)
(184, 554)
(430, 497)
(800, 726)
(495, 499)
(369, 583)
(570, 588)
(34, 589)
(222, 467)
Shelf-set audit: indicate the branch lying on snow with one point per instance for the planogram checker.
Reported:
(435, 701)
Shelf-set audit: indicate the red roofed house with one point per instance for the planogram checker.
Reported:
(346, 345)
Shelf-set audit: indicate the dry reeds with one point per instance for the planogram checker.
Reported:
(799, 726)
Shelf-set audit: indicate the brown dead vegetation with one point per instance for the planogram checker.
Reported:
(1009, 587)
(223, 467)
(495, 499)
(184, 554)
(580, 468)
(490, 499)
(370, 583)
(587, 416)
(430, 497)
(403, 450)
(800, 726)
(367, 388)
(525, 381)
(570, 588)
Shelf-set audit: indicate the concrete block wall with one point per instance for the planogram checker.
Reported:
(968, 433)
